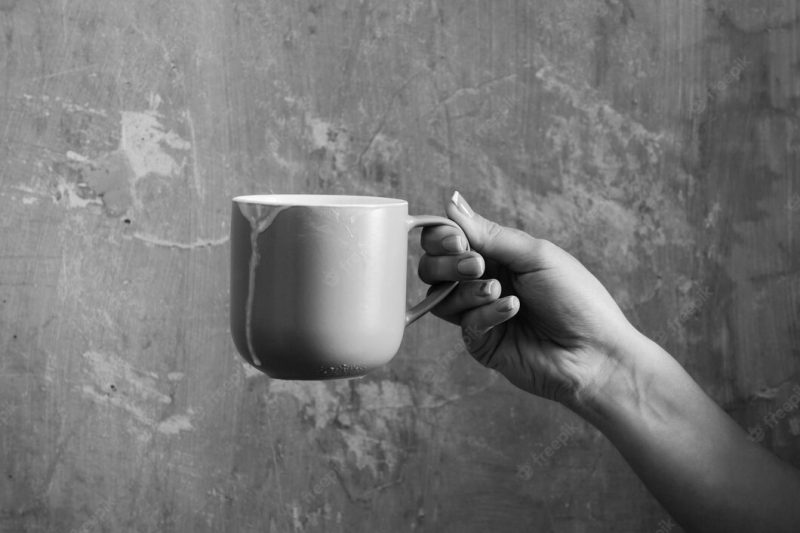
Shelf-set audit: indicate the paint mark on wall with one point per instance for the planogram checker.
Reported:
(321, 132)
(331, 151)
(146, 148)
(365, 433)
(371, 448)
(175, 424)
(111, 371)
(114, 382)
(43, 104)
(110, 179)
(713, 216)
(318, 400)
(381, 161)
(381, 395)
(144, 142)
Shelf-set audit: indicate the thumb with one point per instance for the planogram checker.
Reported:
(511, 247)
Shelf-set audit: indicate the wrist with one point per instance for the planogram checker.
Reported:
(623, 380)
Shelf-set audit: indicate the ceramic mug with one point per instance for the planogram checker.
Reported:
(318, 282)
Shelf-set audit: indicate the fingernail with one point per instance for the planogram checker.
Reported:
(462, 204)
(453, 243)
(507, 305)
(486, 288)
(469, 266)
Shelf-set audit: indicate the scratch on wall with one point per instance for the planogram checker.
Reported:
(152, 240)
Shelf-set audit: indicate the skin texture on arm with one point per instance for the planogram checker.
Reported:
(691, 455)
(549, 326)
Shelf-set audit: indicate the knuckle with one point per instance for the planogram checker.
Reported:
(545, 249)
(491, 232)
(544, 243)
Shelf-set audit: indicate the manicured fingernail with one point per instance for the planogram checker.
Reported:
(507, 305)
(486, 288)
(453, 243)
(462, 204)
(469, 266)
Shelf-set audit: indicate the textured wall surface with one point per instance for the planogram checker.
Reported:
(659, 142)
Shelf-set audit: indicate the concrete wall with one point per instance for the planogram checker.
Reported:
(659, 142)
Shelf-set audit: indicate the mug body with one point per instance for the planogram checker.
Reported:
(318, 283)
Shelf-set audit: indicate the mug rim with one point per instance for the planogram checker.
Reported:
(319, 200)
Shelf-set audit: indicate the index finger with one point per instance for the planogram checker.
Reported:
(443, 240)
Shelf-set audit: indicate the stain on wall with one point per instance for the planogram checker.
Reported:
(658, 142)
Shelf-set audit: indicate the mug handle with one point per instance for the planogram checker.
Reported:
(441, 290)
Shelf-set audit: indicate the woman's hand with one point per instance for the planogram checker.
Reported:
(537, 315)
(551, 328)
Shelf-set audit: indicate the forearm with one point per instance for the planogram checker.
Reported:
(691, 455)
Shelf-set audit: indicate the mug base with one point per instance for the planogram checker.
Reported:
(320, 373)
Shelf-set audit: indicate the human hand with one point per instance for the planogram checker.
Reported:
(537, 316)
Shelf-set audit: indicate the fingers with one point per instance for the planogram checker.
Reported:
(442, 240)
(479, 329)
(466, 296)
(436, 268)
(511, 247)
(481, 319)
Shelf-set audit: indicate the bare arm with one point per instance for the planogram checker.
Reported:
(691, 455)
(551, 328)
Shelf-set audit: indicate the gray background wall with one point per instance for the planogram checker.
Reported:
(659, 142)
